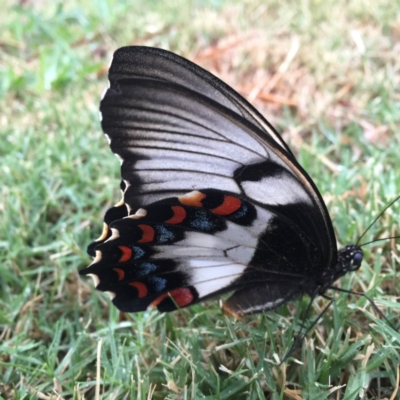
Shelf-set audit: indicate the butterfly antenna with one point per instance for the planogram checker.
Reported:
(374, 306)
(378, 240)
(379, 215)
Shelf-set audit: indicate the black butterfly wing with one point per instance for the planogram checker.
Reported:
(177, 135)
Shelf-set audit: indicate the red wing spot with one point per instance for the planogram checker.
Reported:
(193, 199)
(182, 297)
(126, 253)
(141, 288)
(120, 272)
(229, 206)
(179, 215)
(148, 233)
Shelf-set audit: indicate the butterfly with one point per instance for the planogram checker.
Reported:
(213, 199)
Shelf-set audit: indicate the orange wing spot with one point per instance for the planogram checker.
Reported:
(159, 299)
(179, 215)
(120, 272)
(182, 297)
(229, 312)
(148, 233)
(141, 288)
(126, 253)
(192, 199)
(229, 206)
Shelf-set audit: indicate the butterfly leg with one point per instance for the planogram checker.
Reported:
(300, 336)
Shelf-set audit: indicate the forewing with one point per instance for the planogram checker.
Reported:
(171, 140)
(161, 65)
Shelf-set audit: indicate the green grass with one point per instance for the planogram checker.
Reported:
(337, 103)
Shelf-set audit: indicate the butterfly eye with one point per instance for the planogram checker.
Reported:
(357, 259)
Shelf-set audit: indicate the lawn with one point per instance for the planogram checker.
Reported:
(325, 74)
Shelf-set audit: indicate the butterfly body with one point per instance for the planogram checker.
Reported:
(213, 199)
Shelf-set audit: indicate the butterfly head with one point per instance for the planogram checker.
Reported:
(350, 258)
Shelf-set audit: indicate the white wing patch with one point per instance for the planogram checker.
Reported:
(189, 163)
(265, 306)
(211, 279)
(155, 181)
(279, 190)
(215, 261)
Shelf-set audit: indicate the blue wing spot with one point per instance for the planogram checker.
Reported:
(242, 211)
(244, 216)
(164, 234)
(137, 252)
(158, 284)
(146, 268)
(202, 222)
